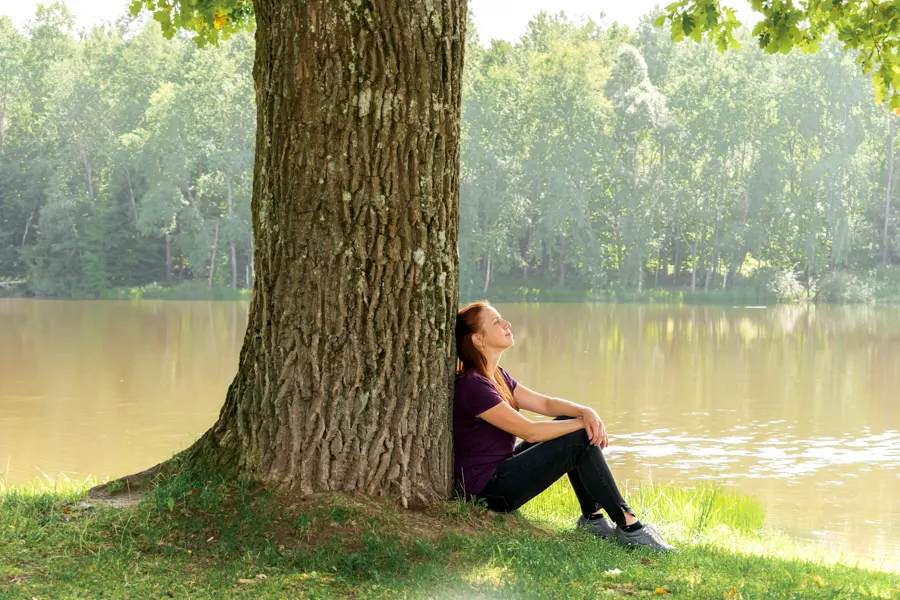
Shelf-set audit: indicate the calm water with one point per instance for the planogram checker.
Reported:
(797, 405)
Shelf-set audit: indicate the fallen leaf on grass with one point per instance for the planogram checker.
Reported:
(660, 591)
(613, 572)
(246, 581)
(817, 580)
(733, 594)
(262, 576)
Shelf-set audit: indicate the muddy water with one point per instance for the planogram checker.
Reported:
(797, 405)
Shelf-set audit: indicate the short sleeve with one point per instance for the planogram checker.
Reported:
(480, 395)
(512, 383)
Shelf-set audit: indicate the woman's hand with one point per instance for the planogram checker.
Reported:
(596, 431)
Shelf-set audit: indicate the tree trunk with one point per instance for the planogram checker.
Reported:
(618, 233)
(347, 367)
(715, 253)
(168, 257)
(487, 275)
(888, 191)
(231, 242)
(659, 261)
(562, 260)
(3, 120)
(675, 254)
(131, 195)
(212, 258)
(27, 225)
(87, 170)
(694, 256)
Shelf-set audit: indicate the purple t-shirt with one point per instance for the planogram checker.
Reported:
(478, 446)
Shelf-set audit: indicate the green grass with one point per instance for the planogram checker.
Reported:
(195, 537)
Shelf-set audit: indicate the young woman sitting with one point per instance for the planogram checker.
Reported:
(490, 466)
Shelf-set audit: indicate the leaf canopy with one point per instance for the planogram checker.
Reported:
(209, 20)
(871, 28)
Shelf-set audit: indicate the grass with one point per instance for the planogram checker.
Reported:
(194, 537)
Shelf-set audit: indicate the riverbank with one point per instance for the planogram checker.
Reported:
(198, 538)
(764, 290)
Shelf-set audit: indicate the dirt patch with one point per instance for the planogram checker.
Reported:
(309, 521)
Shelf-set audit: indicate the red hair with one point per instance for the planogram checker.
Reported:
(468, 322)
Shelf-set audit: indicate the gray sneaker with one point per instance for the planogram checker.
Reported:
(646, 536)
(603, 528)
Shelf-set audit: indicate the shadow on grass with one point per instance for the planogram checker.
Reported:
(199, 537)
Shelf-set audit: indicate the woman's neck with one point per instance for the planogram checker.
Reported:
(492, 359)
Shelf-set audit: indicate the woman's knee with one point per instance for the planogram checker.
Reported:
(578, 438)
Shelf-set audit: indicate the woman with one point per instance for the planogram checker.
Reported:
(486, 420)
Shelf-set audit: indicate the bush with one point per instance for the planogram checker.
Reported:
(888, 290)
(785, 285)
(847, 288)
(188, 290)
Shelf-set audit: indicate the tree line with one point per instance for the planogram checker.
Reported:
(595, 160)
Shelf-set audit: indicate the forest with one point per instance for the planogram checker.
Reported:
(598, 162)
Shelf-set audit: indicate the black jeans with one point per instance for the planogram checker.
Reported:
(534, 467)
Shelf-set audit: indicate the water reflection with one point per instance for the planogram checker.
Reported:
(105, 388)
(795, 404)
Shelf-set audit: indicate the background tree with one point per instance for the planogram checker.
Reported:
(595, 160)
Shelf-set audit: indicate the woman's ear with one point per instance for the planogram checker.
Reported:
(478, 339)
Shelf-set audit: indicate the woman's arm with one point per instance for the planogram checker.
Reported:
(545, 405)
(503, 416)
(557, 407)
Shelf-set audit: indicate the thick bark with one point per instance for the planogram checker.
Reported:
(345, 375)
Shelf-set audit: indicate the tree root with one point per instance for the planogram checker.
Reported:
(128, 490)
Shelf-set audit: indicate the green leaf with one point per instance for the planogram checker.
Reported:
(677, 31)
(660, 21)
(171, 504)
(687, 23)
(697, 34)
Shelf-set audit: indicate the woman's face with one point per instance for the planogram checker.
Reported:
(496, 332)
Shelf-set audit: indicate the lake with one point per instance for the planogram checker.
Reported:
(797, 405)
